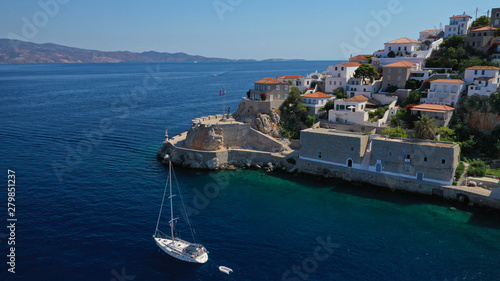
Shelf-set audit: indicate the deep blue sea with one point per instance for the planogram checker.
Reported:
(82, 140)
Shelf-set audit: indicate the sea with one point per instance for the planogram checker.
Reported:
(81, 142)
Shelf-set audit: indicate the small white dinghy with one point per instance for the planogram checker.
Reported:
(225, 269)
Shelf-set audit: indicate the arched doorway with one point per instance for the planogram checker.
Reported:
(349, 163)
(378, 167)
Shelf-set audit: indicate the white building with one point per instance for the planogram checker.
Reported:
(483, 86)
(305, 82)
(405, 49)
(354, 111)
(428, 34)
(444, 91)
(459, 25)
(357, 87)
(339, 74)
(472, 73)
(315, 101)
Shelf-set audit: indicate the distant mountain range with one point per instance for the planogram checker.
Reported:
(19, 52)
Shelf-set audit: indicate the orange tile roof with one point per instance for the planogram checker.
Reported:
(360, 57)
(440, 108)
(359, 98)
(401, 64)
(447, 81)
(403, 40)
(429, 30)
(484, 78)
(269, 81)
(478, 67)
(350, 64)
(461, 16)
(291, 77)
(318, 95)
(486, 28)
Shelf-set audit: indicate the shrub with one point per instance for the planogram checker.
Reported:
(263, 96)
(460, 170)
(391, 54)
(477, 168)
(391, 89)
(310, 120)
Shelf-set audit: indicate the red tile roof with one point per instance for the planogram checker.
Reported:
(429, 30)
(290, 77)
(484, 79)
(401, 64)
(360, 57)
(403, 40)
(350, 64)
(359, 98)
(486, 28)
(484, 68)
(461, 16)
(269, 81)
(318, 95)
(440, 108)
(447, 81)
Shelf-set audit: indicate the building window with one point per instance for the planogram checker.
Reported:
(390, 154)
(407, 169)
(319, 154)
(352, 148)
(482, 72)
(336, 68)
(390, 48)
(342, 68)
(286, 88)
(269, 87)
(334, 82)
(443, 161)
(277, 87)
(425, 159)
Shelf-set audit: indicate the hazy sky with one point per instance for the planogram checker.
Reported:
(250, 29)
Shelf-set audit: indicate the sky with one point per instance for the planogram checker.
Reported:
(235, 29)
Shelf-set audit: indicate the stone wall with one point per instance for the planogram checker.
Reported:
(251, 108)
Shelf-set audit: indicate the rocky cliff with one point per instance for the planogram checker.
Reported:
(205, 138)
(265, 123)
(482, 121)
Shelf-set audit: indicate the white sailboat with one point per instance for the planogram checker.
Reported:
(172, 245)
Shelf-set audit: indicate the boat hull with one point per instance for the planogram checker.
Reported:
(179, 249)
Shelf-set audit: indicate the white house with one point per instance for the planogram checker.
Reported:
(483, 86)
(459, 25)
(339, 74)
(472, 73)
(305, 82)
(405, 49)
(315, 101)
(357, 87)
(354, 111)
(428, 34)
(444, 91)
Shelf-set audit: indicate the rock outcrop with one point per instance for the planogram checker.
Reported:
(205, 138)
(482, 121)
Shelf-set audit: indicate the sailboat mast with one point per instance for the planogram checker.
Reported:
(171, 204)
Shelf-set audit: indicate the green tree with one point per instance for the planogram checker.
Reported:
(397, 132)
(412, 98)
(477, 168)
(366, 71)
(454, 41)
(481, 21)
(310, 120)
(293, 112)
(446, 134)
(340, 93)
(391, 88)
(425, 127)
(391, 54)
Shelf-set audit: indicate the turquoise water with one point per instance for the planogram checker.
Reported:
(95, 220)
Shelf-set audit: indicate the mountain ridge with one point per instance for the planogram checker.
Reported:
(22, 52)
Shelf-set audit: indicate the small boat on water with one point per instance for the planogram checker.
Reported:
(225, 269)
(172, 245)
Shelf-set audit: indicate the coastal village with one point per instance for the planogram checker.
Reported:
(419, 115)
